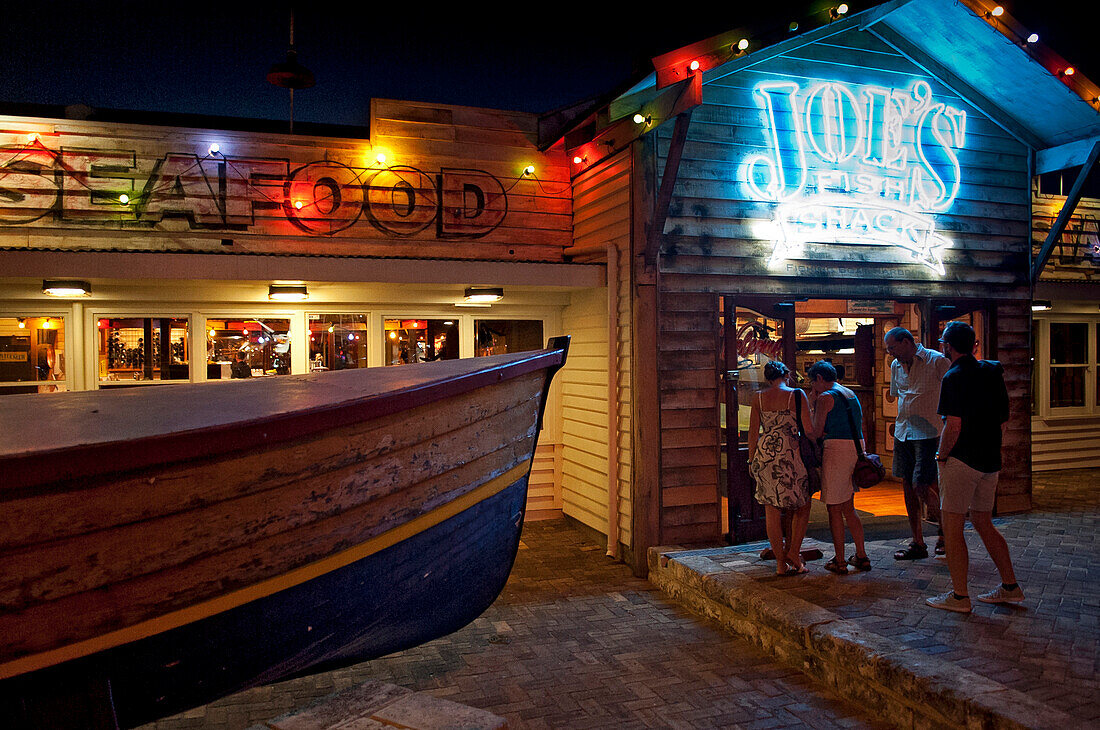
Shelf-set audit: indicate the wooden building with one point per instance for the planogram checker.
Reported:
(764, 193)
(334, 248)
(774, 194)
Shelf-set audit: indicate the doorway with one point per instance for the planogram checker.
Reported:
(847, 333)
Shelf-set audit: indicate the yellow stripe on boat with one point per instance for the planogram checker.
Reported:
(271, 586)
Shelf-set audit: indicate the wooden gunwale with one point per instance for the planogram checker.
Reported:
(46, 465)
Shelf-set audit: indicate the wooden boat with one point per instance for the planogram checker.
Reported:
(162, 547)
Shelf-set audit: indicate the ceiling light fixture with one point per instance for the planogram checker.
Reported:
(287, 293)
(66, 288)
(483, 294)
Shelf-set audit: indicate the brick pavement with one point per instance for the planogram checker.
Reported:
(1048, 648)
(574, 641)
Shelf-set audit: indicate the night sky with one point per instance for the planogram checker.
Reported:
(211, 58)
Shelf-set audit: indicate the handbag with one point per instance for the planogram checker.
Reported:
(869, 470)
(809, 449)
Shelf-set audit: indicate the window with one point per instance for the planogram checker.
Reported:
(420, 340)
(501, 336)
(32, 354)
(247, 347)
(1065, 377)
(1069, 364)
(141, 350)
(337, 341)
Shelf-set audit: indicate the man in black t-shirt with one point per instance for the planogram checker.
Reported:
(974, 406)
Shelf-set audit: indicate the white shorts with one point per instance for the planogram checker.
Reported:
(963, 488)
(837, 464)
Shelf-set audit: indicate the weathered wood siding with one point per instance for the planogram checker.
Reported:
(716, 235)
(584, 410)
(710, 241)
(1065, 443)
(1076, 256)
(687, 375)
(1013, 332)
(451, 174)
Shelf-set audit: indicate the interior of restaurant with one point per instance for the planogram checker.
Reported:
(849, 334)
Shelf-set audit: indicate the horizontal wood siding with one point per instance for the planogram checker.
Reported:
(1065, 443)
(624, 390)
(417, 203)
(584, 414)
(687, 378)
(601, 208)
(713, 229)
(1076, 257)
(544, 486)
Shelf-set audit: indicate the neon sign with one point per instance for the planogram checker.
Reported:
(864, 165)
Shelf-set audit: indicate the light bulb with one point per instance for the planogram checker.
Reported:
(694, 66)
(215, 148)
(1033, 38)
(124, 198)
(743, 44)
(997, 11)
(298, 204)
(529, 170)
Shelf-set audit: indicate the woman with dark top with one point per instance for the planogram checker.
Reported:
(776, 466)
(836, 408)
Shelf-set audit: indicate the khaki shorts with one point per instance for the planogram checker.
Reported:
(964, 488)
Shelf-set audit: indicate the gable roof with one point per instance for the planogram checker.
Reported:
(982, 57)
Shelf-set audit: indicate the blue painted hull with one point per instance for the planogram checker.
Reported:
(424, 587)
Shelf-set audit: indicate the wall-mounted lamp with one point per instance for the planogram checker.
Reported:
(47, 323)
(1041, 305)
(22, 323)
(287, 293)
(66, 288)
(483, 294)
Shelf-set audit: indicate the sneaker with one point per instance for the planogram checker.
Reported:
(1000, 595)
(948, 602)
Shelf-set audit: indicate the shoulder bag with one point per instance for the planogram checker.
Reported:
(869, 470)
(808, 449)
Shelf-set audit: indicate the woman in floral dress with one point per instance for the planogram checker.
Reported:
(775, 464)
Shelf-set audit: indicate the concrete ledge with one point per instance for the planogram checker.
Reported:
(381, 705)
(904, 685)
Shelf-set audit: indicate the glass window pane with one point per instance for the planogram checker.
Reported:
(32, 352)
(245, 347)
(1069, 343)
(500, 336)
(337, 341)
(759, 341)
(420, 340)
(1067, 386)
(133, 350)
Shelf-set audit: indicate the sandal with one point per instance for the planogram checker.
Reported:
(861, 564)
(835, 566)
(941, 549)
(913, 552)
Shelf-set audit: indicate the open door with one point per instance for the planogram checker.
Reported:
(755, 331)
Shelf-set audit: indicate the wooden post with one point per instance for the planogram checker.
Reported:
(612, 401)
(646, 466)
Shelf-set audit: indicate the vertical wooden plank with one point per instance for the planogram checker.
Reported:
(646, 445)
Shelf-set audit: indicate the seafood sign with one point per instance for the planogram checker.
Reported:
(855, 164)
(214, 191)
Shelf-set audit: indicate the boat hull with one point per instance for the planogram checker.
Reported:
(332, 520)
(425, 586)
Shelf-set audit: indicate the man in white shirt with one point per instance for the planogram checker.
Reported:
(915, 377)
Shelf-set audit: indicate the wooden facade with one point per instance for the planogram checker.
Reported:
(394, 223)
(867, 121)
(1065, 420)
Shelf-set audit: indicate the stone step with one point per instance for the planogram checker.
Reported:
(903, 685)
(380, 705)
